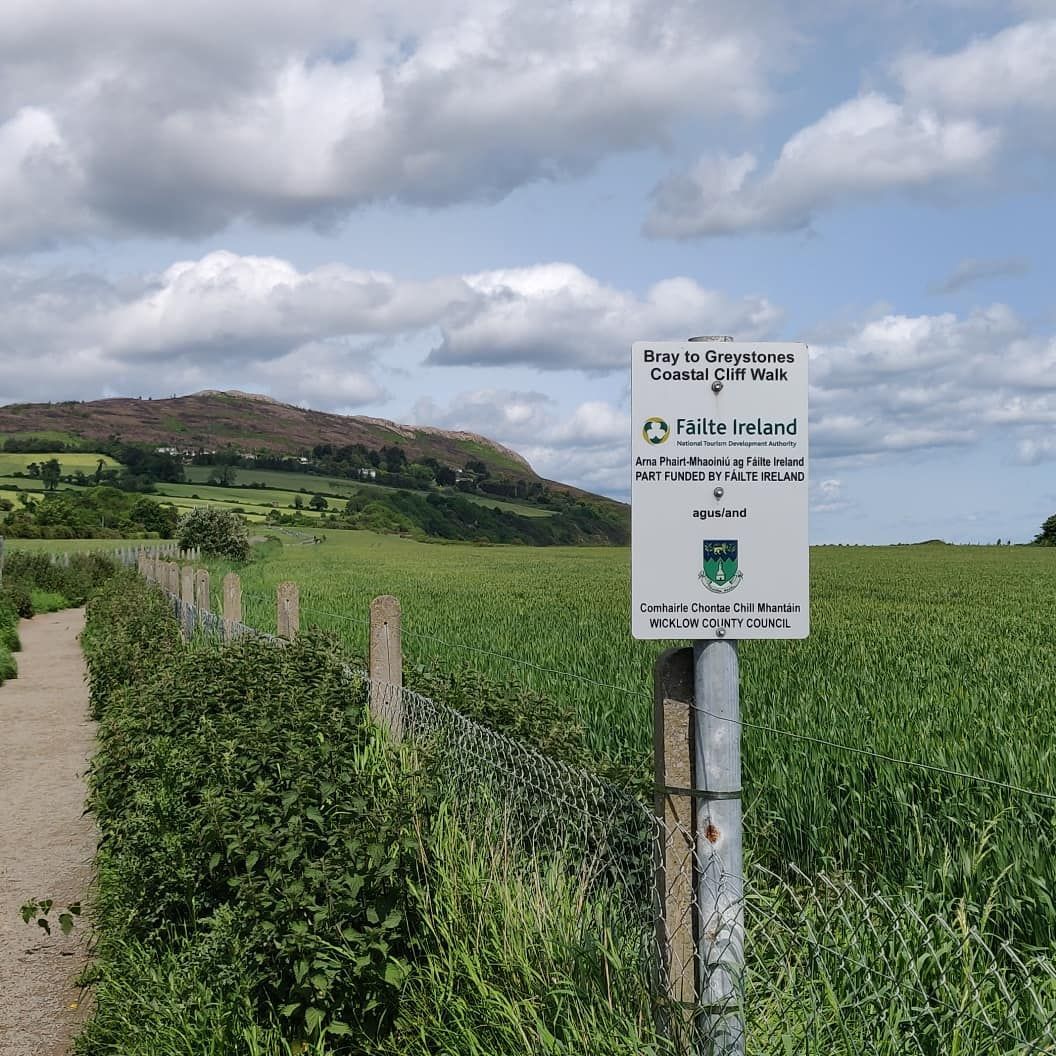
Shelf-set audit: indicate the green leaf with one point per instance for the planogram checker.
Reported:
(66, 922)
(313, 1019)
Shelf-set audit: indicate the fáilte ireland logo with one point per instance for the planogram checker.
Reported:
(655, 430)
(719, 572)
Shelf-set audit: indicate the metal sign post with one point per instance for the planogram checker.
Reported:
(719, 523)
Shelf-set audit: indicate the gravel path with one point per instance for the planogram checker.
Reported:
(46, 845)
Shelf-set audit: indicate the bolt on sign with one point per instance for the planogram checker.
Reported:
(719, 467)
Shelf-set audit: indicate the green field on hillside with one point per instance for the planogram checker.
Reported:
(56, 436)
(11, 462)
(335, 486)
(235, 495)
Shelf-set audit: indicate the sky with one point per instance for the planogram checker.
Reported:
(462, 213)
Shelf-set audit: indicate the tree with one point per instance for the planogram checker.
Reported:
(50, 472)
(1047, 535)
(154, 517)
(318, 502)
(224, 475)
(394, 458)
(216, 531)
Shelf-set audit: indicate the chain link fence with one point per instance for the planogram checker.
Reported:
(831, 968)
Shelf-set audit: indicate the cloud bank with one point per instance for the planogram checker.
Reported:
(120, 118)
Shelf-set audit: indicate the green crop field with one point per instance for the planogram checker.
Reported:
(941, 656)
(11, 462)
(899, 791)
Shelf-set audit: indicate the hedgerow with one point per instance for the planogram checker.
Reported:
(240, 791)
(274, 877)
(31, 583)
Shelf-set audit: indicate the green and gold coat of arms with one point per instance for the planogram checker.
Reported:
(719, 572)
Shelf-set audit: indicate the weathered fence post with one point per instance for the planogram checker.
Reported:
(202, 598)
(288, 610)
(677, 920)
(187, 599)
(386, 664)
(232, 604)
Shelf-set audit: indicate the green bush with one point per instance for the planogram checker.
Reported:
(247, 780)
(8, 668)
(8, 625)
(9, 642)
(217, 532)
(19, 595)
(34, 570)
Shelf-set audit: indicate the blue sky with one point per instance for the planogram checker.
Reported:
(463, 213)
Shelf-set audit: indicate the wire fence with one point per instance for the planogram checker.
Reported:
(828, 968)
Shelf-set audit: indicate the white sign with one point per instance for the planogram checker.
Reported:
(719, 490)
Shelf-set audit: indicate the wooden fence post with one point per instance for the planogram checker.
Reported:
(677, 923)
(232, 604)
(202, 600)
(386, 664)
(187, 597)
(288, 610)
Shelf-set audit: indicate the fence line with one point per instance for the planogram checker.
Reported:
(946, 986)
(867, 753)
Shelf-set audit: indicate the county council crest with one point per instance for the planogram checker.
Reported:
(719, 571)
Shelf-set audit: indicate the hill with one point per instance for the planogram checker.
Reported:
(212, 420)
(371, 472)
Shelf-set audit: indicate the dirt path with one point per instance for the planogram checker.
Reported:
(45, 842)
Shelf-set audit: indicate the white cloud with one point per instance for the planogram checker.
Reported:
(866, 147)
(828, 496)
(555, 316)
(902, 384)
(1013, 68)
(183, 118)
(1037, 448)
(588, 446)
(227, 308)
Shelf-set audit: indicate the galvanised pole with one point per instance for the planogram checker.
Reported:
(720, 848)
(720, 854)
